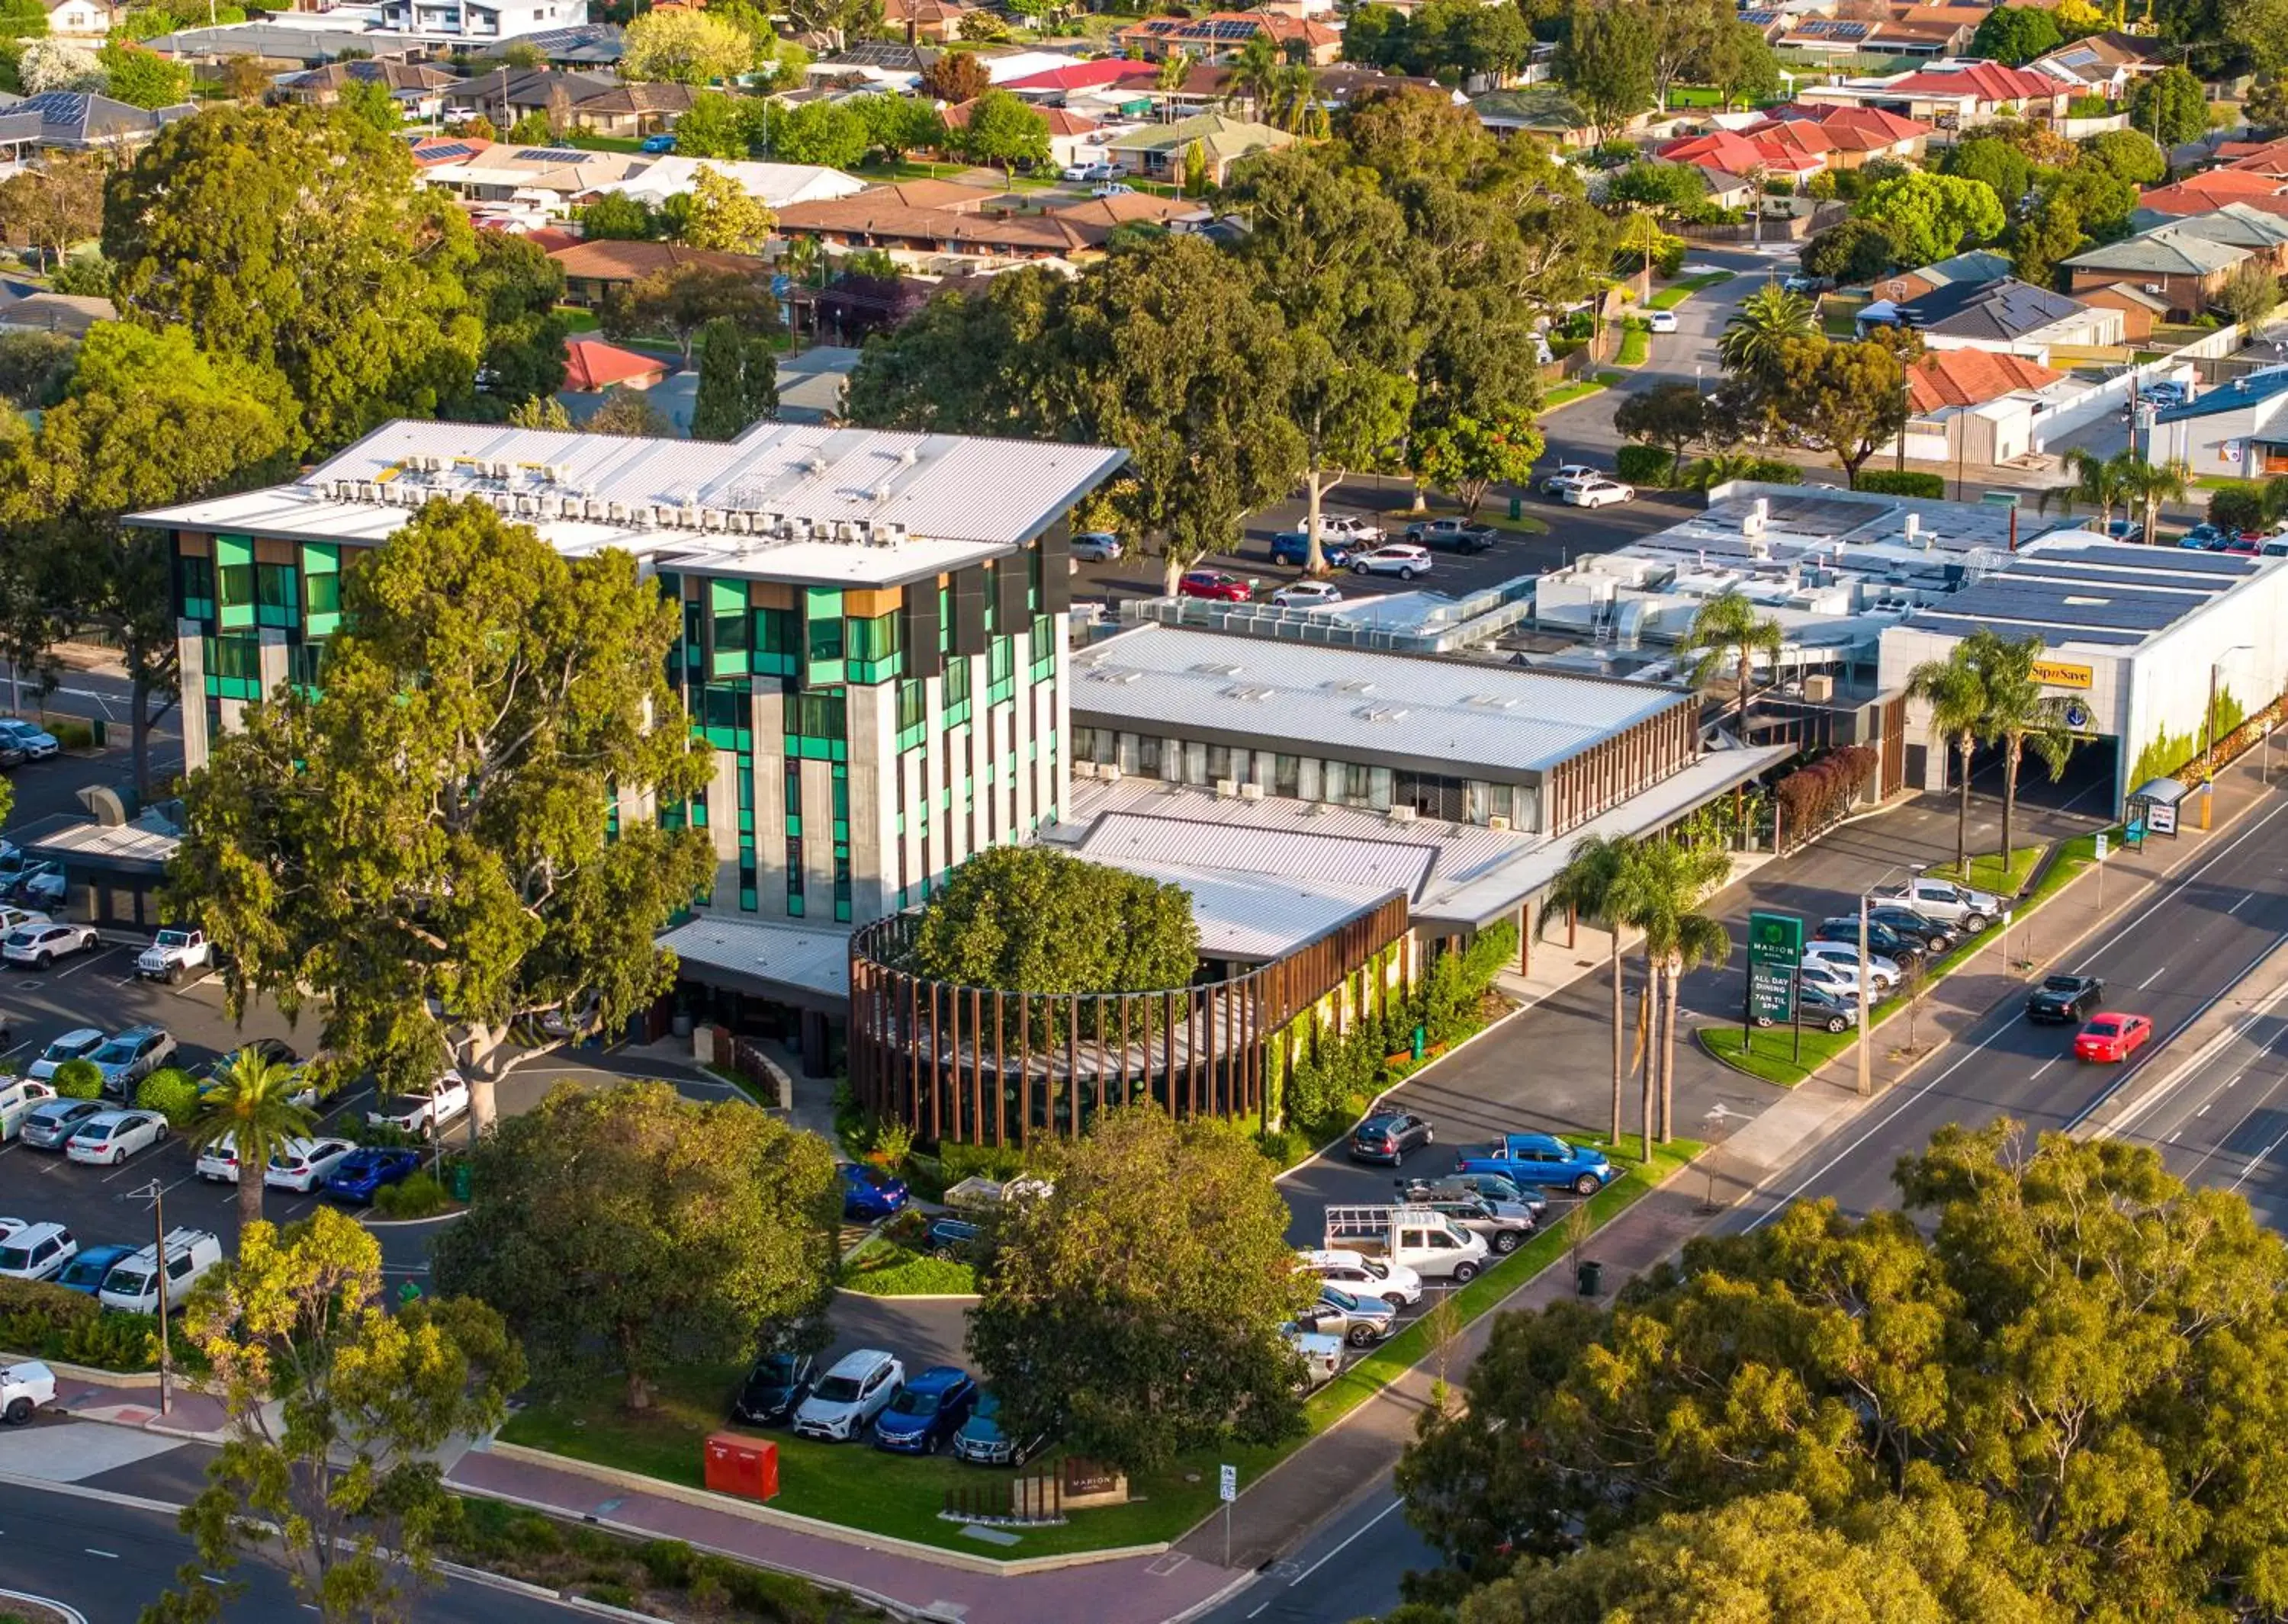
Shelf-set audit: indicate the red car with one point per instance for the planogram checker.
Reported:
(2112, 1037)
(1214, 583)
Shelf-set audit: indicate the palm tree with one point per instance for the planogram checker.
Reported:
(2099, 483)
(1175, 67)
(251, 1105)
(1254, 76)
(1956, 693)
(1291, 99)
(1587, 886)
(1726, 626)
(1767, 321)
(1721, 468)
(2148, 485)
(1659, 890)
(2019, 714)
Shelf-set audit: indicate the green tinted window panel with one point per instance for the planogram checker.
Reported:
(198, 588)
(794, 904)
(794, 825)
(1001, 692)
(1001, 660)
(911, 739)
(749, 902)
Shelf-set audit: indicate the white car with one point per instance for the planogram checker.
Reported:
(302, 1164)
(1940, 901)
(23, 1388)
(1322, 1354)
(1554, 482)
(18, 1097)
(12, 918)
(1102, 171)
(132, 1286)
(1110, 188)
(1398, 559)
(173, 953)
(41, 944)
(447, 1097)
(1351, 530)
(36, 1252)
(1596, 492)
(1842, 960)
(111, 1136)
(849, 1397)
(76, 1044)
(1306, 595)
(35, 740)
(1362, 1276)
(217, 1164)
(1096, 547)
(1661, 322)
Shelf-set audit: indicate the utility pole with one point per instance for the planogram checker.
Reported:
(156, 1193)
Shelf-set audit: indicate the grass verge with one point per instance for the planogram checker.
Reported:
(884, 1269)
(1636, 345)
(1770, 1054)
(1579, 389)
(1990, 873)
(862, 1487)
(1670, 298)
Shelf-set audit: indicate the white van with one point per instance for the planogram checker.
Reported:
(18, 1096)
(132, 1286)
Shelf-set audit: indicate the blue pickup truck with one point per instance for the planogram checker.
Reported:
(1539, 1159)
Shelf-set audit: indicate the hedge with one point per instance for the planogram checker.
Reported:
(1644, 464)
(172, 1092)
(1903, 482)
(78, 1080)
(1813, 796)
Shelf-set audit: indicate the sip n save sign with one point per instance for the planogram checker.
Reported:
(2061, 674)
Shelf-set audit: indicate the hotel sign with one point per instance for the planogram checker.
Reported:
(2058, 674)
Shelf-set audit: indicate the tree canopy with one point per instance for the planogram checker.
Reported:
(622, 1230)
(421, 842)
(2016, 35)
(1608, 61)
(1005, 130)
(1931, 217)
(1135, 1308)
(738, 381)
(686, 47)
(1034, 920)
(2056, 1385)
(2172, 106)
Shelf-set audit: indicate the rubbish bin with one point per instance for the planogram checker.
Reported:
(95, 731)
(1517, 507)
(1421, 1040)
(464, 1181)
(1589, 1278)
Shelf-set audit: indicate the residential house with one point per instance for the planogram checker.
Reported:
(1051, 86)
(654, 179)
(1980, 264)
(1854, 136)
(2208, 192)
(1725, 189)
(69, 314)
(1541, 110)
(2102, 64)
(1134, 207)
(84, 19)
(592, 269)
(479, 21)
(20, 134)
(2182, 268)
(1160, 152)
(416, 84)
(1072, 139)
(591, 366)
(1219, 35)
(1833, 40)
(507, 94)
(1775, 152)
(893, 64)
(630, 110)
(1928, 30)
(1951, 95)
(584, 46)
(2140, 309)
(2238, 429)
(2237, 224)
(913, 20)
(924, 232)
(1973, 406)
(81, 121)
(2005, 317)
(278, 47)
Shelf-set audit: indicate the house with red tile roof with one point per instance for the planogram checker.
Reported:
(591, 366)
(1054, 83)
(1072, 137)
(2208, 192)
(1952, 96)
(1219, 36)
(1975, 405)
(1779, 154)
(1855, 135)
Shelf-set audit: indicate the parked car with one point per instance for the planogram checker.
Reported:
(1932, 936)
(1464, 535)
(775, 1386)
(1110, 188)
(859, 1388)
(1969, 911)
(1096, 547)
(1493, 1187)
(1294, 547)
(77, 1044)
(302, 1164)
(1844, 956)
(2112, 1037)
(360, 1175)
(951, 1238)
(1307, 594)
(1504, 1225)
(1359, 1320)
(1566, 473)
(869, 1193)
(1322, 1354)
(36, 742)
(276, 1050)
(127, 1057)
(2064, 1000)
(1541, 1158)
(14, 918)
(446, 1100)
(174, 953)
(53, 1121)
(1800, 283)
(40, 945)
(18, 1097)
(1388, 1136)
(1661, 320)
(24, 1388)
(663, 142)
(2203, 538)
(1214, 583)
(1396, 558)
(1362, 1276)
(1826, 1008)
(110, 1137)
(1837, 981)
(982, 1441)
(36, 1252)
(85, 1272)
(1094, 172)
(40, 885)
(1882, 941)
(132, 1286)
(927, 1411)
(1596, 493)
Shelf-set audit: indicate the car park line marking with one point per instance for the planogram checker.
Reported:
(2156, 976)
(96, 957)
(2244, 896)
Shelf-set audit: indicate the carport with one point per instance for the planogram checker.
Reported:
(785, 983)
(115, 871)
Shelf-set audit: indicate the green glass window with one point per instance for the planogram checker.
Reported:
(957, 690)
(816, 717)
(876, 646)
(913, 713)
(1044, 647)
(198, 577)
(277, 596)
(235, 580)
(823, 645)
(733, 631)
(777, 642)
(233, 666)
(725, 718)
(1000, 670)
(303, 660)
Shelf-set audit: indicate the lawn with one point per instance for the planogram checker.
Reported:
(1579, 389)
(1636, 345)
(577, 321)
(1769, 1055)
(901, 1496)
(1839, 316)
(884, 1269)
(1524, 523)
(1987, 872)
(1670, 298)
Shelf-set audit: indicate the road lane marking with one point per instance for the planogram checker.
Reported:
(92, 1551)
(2156, 976)
(1347, 1542)
(2043, 1066)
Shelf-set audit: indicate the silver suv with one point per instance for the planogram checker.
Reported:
(1504, 1225)
(1359, 1320)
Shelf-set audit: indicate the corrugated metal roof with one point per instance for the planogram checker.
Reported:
(1267, 841)
(1251, 915)
(1465, 714)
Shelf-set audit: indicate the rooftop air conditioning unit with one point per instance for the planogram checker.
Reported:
(1251, 792)
(1819, 690)
(432, 465)
(736, 523)
(616, 511)
(1498, 823)
(1401, 814)
(908, 455)
(890, 535)
(1110, 772)
(845, 531)
(1084, 769)
(1227, 788)
(365, 490)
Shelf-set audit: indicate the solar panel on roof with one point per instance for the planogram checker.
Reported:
(453, 150)
(550, 155)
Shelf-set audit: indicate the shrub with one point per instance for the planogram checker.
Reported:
(1903, 482)
(419, 1196)
(1668, 260)
(78, 1080)
(1771, 471)
(1643, 465)
(386, 1136)
(667, 1561)
(1812, 797)
(70, 732)
(2236, 508)
(616, 1594)
(172, 1092)
(2090, 107)
(113, 1342)
(32, 1311)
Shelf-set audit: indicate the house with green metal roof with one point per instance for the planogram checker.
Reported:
(1159, 152)
(2185, 268)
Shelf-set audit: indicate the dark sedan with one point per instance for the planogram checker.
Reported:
(1882, 941)
(2065, 1000)
(1920, 929)
(1388, 1136)
(773, 1390)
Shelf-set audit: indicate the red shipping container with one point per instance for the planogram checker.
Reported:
(747, 1467)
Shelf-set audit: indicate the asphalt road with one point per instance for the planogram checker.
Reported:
(1349, 1568)
(2185, 951)
(109, 1560)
